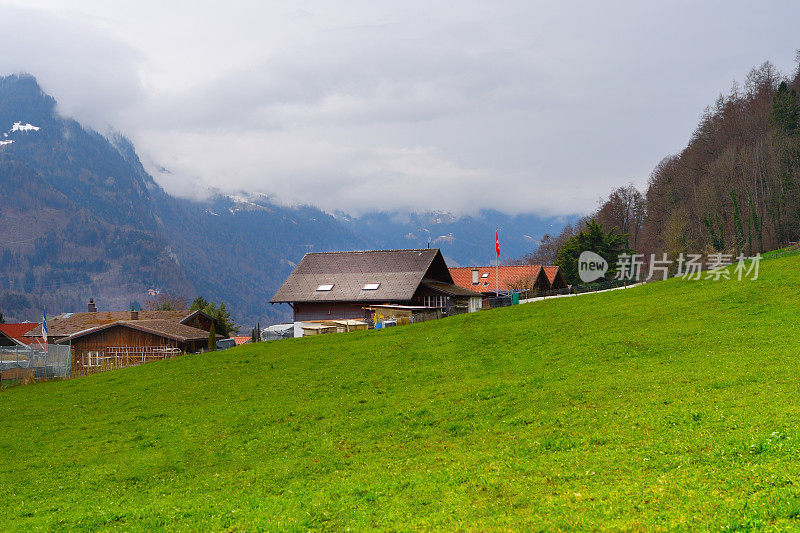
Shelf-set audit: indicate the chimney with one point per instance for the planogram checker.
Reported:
(92, 307)
(134, 314)
(475, 278)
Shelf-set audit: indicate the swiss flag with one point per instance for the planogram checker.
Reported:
(497, 242)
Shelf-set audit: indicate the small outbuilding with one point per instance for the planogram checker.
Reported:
(127, 342)
(63, 325)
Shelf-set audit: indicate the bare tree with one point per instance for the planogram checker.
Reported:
(623, 210)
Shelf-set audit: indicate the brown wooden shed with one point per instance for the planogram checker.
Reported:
(133, 341)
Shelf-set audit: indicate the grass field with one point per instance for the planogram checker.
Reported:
(668, 406)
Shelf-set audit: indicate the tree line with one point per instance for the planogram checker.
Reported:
(734, 189)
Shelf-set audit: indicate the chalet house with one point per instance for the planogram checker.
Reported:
(342, 285)
(511, 278)
(555, 277)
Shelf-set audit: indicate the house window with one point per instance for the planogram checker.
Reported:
(485, 275)
(92, 358)
(435, 301)
(325, 288)
(371, 286)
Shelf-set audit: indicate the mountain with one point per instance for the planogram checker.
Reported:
(80, 217)
(75, 219)
(464, 240)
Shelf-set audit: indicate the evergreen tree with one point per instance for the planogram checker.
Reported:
(221, 316)
(199, 304)
(738, 228)
(212, 338)
(609, 246)
(785, 115)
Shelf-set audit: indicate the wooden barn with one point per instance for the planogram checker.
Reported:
(343, 285)
(63, 325)
(127, 342)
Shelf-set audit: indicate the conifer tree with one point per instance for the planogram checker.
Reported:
(212, 338)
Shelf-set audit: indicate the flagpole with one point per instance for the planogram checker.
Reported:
(497, 262)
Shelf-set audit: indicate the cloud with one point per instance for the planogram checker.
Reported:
(93, 76)
(519, 106)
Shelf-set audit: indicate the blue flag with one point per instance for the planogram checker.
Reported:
(44, 326)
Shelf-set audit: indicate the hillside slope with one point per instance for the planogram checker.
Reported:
(671, 405)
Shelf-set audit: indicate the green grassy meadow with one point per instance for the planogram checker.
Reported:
(672, 405)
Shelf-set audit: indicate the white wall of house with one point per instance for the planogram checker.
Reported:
(475, 304)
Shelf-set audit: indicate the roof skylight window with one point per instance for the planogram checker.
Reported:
(485, 275)
(371, 287)
(325, 288)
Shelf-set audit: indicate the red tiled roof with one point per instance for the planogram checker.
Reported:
(241, 340)
(18, 330)
(551, 272)
(509, 275)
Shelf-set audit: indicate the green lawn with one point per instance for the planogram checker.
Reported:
(668, 406)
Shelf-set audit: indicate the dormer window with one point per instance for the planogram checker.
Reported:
(325, 288)
(371, 287)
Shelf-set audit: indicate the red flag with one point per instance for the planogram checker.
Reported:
(497, 242)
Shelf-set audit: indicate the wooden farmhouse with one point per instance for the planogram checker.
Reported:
(512, 278)
(66, 324)
(133, 341)
(99, 338)
(343, 285)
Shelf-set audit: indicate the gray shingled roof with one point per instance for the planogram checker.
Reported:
(68, 323)
(399, 273)
(163, 328)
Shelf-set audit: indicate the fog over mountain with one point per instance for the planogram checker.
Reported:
(83, 219)
(522, 107)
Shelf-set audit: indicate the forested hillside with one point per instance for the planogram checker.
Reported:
(735, 188)
(74, 217)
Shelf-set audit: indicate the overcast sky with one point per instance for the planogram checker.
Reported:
(520, 106)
